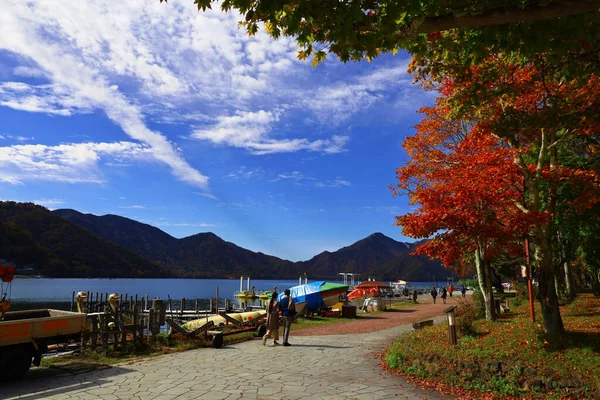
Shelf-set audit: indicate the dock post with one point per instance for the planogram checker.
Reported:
(72, 300)
(196, 307)
(210, 305)
(217, 301)
(182, 306)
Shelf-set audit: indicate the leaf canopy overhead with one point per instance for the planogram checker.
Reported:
(355, 30)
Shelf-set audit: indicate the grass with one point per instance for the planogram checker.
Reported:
(510, 357)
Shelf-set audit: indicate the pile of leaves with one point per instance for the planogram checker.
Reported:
(510, 358)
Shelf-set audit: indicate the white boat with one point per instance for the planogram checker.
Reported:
(399, 286)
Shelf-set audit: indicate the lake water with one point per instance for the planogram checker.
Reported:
(24, 289)
(57, 293)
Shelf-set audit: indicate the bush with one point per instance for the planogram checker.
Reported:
(479, 302)
(466, 314)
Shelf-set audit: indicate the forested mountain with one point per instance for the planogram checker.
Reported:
(69, 243)
(143, 239)
(204, 255)
(208, 256)
(378, 256)
(31, 236)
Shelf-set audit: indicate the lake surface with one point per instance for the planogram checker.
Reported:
(36, 290)
(57, 293)
(26, 289)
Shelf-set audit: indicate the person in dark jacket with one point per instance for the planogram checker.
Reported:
(434, 294)
(288, 312)
(444, 294)
(415, 295)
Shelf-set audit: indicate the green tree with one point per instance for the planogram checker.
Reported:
(354, 30)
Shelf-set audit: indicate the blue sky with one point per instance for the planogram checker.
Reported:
(180, 120)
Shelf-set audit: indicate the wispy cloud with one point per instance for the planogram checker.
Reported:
(245, 173)
(141, 62)
(302, 180)
(50, 204)
(336, 183)
(252, 131)
(69, 41)
(70, 163)
(17, 138)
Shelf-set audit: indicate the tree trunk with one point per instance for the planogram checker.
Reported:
(542, 262)
(485, 284)
(569, 281)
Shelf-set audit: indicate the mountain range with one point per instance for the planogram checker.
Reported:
(66, 242)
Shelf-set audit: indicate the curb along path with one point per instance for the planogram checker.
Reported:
(314, 367)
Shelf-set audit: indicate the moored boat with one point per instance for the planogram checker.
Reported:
(266, 295)
(316, 295)
(246, 294)
(219, 320)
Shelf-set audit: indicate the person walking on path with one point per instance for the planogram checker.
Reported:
(415, 295)
(463, 290)
(434, 294)
(450, 289)
(288, 311)
(272, 321)
(444, 294)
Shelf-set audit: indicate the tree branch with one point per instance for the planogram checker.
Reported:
(561, 8)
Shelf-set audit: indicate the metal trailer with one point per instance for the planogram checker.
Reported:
(25, 336)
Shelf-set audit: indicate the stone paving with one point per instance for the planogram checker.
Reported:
(314, 367)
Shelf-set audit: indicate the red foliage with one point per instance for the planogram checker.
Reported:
(466, 185)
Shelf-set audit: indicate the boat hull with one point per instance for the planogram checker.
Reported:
(316, 295)
(220, 321)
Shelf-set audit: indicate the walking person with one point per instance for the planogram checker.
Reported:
(272, 321)
(288, 311)
(434, 294)
(450, 290)
(463, 290)
(444, 294)
(415, 295)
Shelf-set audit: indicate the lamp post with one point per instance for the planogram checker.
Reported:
(529, 283)
(451, 324)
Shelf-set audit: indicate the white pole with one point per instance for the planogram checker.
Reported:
(248, 283)
(241, 283)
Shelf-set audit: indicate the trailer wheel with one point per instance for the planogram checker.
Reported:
(217, 341)
(15, 362)
(261, 330)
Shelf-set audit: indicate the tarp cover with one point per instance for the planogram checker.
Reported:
(311, 293)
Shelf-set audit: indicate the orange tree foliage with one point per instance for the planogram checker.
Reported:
(465, 184)
(537, 112)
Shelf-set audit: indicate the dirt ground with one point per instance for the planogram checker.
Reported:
(369, 322)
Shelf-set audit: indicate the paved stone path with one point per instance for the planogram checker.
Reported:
(314, 367)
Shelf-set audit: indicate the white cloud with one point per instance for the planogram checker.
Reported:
(250, 131)
(69, 42)
(300, 179)
(336, 183)
(245, 173)
(200, 225)
(141, 60)
(336, 102)
(71, 163)
(49, 203)
(29, 72)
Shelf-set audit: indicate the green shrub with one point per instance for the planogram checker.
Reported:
(479, 302)
(466, 314)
